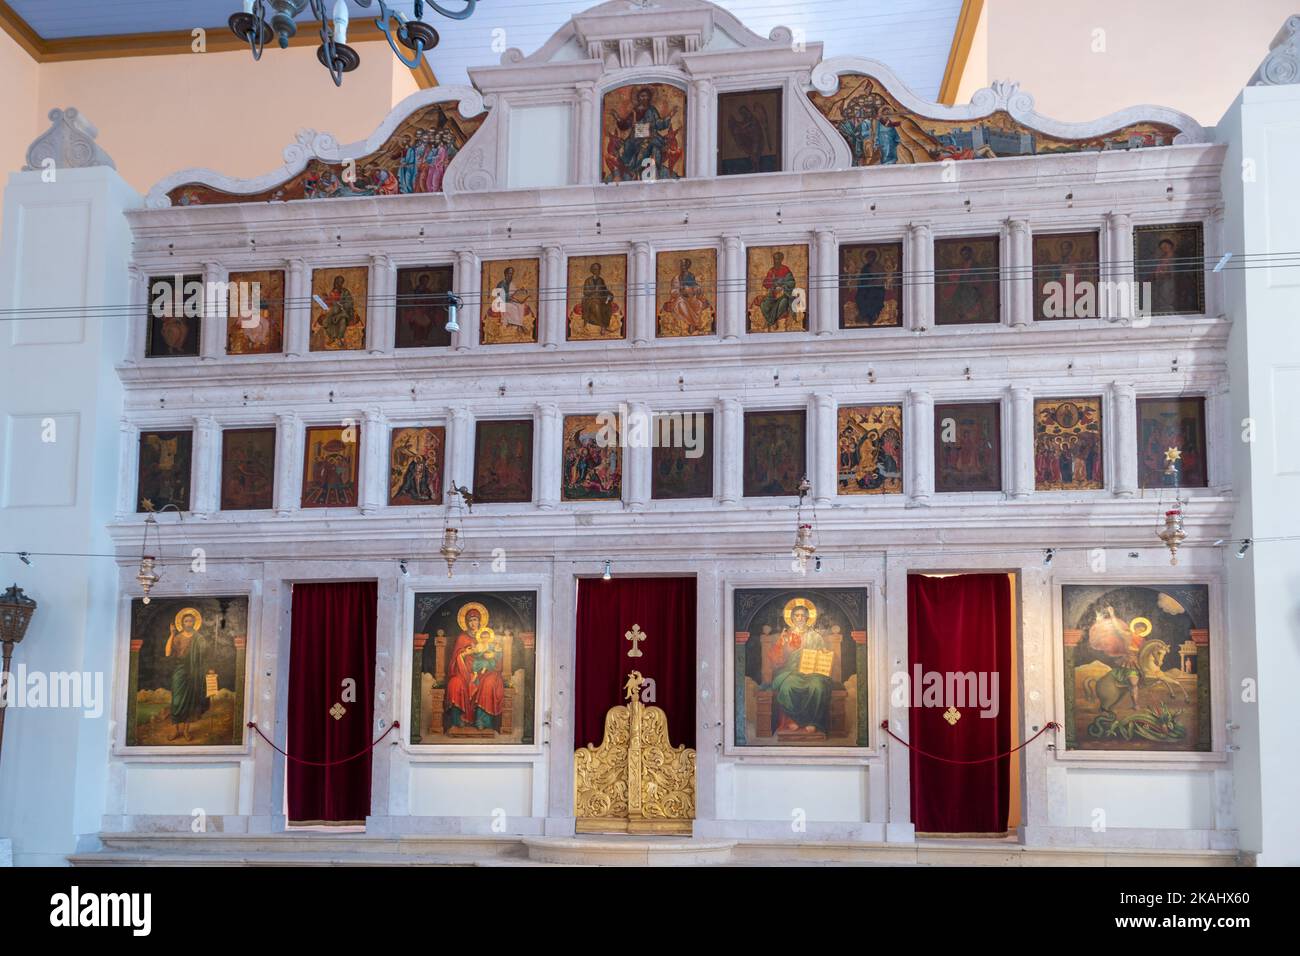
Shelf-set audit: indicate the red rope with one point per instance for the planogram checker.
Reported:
(1050, 725)
(323, 763)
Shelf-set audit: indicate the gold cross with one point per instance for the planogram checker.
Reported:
(952, 715)
(636, 637)
(1173, 454)
(337, 711)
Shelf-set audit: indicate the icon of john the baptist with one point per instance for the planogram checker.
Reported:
(185, 649)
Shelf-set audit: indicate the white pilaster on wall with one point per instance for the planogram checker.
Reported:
(1017, 273)
(825, 448)
(297, 308)
(548, 455)
(128, 455)
(918, 481)
(1117, 265)
(637, 464)
(918, 276)
(1220, 434)
(550, 299)
(205, 492)
(731, 419)
(1124, 428)
(641, 295)
(216, 305)
(460, 437)
(825, 291)
(466, 283)
(733, 281)
(288, 464)
(587, 125)
(701, 155)
(1022, 441)
(138, 320)
(374, 460)
(381, 310)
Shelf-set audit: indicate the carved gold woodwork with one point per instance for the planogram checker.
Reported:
(635, 781)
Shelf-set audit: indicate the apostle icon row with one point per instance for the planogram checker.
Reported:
(1068, 450)
(686, 293)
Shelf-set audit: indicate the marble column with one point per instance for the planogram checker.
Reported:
(1017, 273)
(1117, 267)
(637, 464)
(381, 307)
(216, 306)
(1124, 477)
(205, 488)
(731, 446)
(466, 284)
(702, 154)
(733, 282)
(641, 294)
(137, 327)
(288, 464)
(460, 438)
(551, 298)
(588, 140)
(918, 438)
(1221, 436)
(824, 295)
(374, 461)
(918, 276)
(297, 308)
(825, 448)
(128, 450)
(1022, 441)
(548, 455)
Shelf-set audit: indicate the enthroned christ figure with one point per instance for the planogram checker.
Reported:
(801, 694)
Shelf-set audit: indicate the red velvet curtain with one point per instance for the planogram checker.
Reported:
(664, 608)
(332, 639)
(955, 625)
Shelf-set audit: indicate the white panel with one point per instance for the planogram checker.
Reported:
(1283, 226)
(1286, 426)
(180, 789)
(824, 794)
(1154, 799)
(39, 472)
(53, 246)
(472, 790)
(530, 166)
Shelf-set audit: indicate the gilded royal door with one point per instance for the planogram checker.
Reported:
(635, 781)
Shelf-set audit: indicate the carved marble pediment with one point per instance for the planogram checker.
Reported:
(1282, 65)
(69, 142)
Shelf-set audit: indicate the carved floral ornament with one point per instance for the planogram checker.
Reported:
(855, 111)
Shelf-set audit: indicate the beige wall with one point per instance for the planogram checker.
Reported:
(160, 114)
(1192, 55)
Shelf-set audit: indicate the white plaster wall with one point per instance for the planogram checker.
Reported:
(1140, 799)
(799, 794)
(471, 790)
(529, 166)
(182, 790)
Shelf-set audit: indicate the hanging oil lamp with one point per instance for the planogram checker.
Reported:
(805, 536)
(453, 543)
(1172, 532)
(148, 575)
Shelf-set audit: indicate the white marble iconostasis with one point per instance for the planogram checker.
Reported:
(504, 201)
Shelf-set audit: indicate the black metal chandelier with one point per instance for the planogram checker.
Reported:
(252, 26)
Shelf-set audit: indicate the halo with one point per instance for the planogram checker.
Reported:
(804, 603)
(1139, 626)
(472, 606)
(188, 610)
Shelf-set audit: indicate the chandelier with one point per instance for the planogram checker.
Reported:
(252, 26)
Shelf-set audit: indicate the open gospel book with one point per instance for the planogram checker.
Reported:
(816, 662)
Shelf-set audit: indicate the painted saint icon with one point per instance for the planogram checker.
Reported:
(1137, 667)
(509, 301)
(968, 447)
(422, 307)
(503, 461)
(644, 133)
(801, 667)
(1067, 444)
(870, 450)
(597, 298)
(592, 459)
(176, 306)
(1066, 270)
(475, 668)
(1172, 259)
(777, 284)
(329, 478)
(749, 132)
(247, 469)
(681, 461)
(966, 281)
(338, 309)
(415, 465)
(1171, 443)
(686, 285)
(187, 665)
(164, 472)
(775, 452)
(255, 321)
(871, 285)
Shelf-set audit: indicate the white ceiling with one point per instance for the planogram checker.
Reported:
(912, 36)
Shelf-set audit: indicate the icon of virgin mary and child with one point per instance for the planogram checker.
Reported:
(475, 686)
